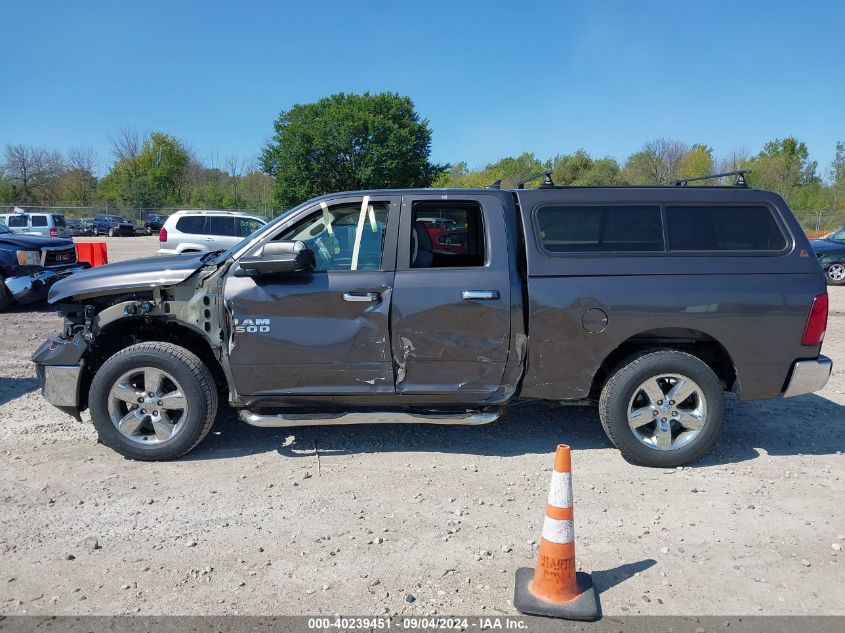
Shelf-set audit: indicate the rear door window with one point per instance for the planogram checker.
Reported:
(221, 225)
(600, 228)
(192, 224)
(696, 228)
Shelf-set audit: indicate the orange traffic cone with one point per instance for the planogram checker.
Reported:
(555, 589)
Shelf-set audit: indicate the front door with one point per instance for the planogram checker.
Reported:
(451, 318)
(325, 332)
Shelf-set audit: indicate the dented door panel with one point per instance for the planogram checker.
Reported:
(443, 341)
(315, 341)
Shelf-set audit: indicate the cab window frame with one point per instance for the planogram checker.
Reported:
(410, 201)
(388, 255)
(789, 241)
(535, 221)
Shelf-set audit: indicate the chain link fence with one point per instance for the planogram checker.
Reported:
(137, 214)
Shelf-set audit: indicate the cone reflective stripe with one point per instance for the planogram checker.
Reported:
(556, 589)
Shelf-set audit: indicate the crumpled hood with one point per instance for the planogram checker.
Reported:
(34, 241)
(135, 274)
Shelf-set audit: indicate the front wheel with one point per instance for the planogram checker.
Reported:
(835, 274)
(95, 231)
(153, 401)
(663, 408)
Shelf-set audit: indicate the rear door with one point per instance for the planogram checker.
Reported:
(451, 319)
(38, 223)
(324, 332)
(18, 222)
(220, 232)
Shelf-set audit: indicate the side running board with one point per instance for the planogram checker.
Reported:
(319, 419)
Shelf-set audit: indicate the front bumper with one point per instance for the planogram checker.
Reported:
(33, 287)
(808, 376)
(59, 365)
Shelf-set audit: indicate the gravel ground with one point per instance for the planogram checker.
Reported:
(413, 519)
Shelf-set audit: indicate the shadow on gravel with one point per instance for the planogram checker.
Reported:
(528, 428)
(607, 578)
(808, 425)
(11, 388)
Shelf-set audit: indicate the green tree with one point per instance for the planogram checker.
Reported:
(581, 169)
(349, 141)
(154, 176)
(697, 161)
(782, 166)
(837, 178)
(657, 163)
(510, 170)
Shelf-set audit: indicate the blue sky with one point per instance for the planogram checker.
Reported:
(493, 78)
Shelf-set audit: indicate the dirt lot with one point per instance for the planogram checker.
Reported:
(416, 520)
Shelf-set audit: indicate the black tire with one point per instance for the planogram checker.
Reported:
(622, 386)
(840, 269)
(197, 385)
(6, 300)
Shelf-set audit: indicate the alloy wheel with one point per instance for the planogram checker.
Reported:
(147, 405)
(667, 412)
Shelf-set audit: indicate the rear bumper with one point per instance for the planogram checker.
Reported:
(808, 376)
(26, 288)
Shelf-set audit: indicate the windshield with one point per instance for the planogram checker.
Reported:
(222, 257)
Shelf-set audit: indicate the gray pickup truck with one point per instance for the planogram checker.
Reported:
(446, 306)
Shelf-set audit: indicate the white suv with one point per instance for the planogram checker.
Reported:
(205, 231)
(47, 224)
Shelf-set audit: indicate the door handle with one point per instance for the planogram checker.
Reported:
(369, 297)
(479, 295)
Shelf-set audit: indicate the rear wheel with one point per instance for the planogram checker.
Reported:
(663, 408)
(153, 401)
(835, 274)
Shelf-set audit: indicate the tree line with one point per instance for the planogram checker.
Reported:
(147, 172)
(370, 141)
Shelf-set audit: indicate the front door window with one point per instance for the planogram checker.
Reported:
(345, 236)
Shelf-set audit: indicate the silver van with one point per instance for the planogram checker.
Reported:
(47, 224)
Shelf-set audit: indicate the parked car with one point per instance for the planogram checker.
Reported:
(47, 224)
(438, 226)
(650, 302)
(112, 225)
(830, 250)
(79, 227)
(154, 222)
(455, 241)
(30, 264)
(205, 231)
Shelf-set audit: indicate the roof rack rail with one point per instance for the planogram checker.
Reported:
(495, 185)
(739, 178)
(546, 175)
